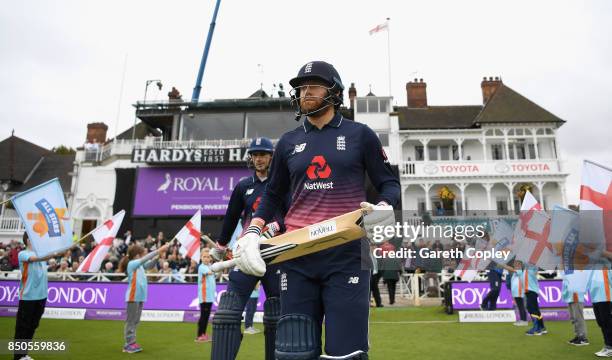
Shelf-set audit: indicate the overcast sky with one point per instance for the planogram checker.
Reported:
(62, 61)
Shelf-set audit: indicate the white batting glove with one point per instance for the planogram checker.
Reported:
(376, 218)
(247, 255)
(218, 252)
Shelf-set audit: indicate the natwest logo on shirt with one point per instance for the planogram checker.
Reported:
(318, 168)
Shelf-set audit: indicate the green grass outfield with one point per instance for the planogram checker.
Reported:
(395, 333)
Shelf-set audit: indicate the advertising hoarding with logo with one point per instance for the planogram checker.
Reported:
(183, 191)
(467, 296)
(111, 295)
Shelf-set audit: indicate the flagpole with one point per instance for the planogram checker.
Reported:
(85, 236)
(389, 53)
(5, 201)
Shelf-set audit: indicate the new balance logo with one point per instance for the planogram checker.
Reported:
(249, 192)
(299, 148)
(353, 280)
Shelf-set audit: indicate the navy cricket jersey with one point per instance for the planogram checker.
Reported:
(245, 199)
(324, 170)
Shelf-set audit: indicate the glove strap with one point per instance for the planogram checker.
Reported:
(253, 229)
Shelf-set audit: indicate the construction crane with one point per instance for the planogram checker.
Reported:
(198, 86)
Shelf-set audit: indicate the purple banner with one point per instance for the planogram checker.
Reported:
(111, 295)
(183, 191)
(466, 296)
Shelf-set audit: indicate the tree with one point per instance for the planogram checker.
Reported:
(63, 150)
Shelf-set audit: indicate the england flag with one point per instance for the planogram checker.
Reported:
(189, 238)
(104, 236)
(531, 235)
(501, 238)
(468, 267)
(596, 209)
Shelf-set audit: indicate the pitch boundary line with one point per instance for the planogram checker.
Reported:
(416, 322)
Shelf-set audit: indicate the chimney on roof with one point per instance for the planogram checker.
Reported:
(489, 87)
(352, 92)
(417, 93)
(97, 132)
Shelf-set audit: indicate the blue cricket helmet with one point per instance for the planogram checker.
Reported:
(318, 70)
(261, 144)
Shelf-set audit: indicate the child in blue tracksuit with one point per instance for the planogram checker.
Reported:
(529, 287)
(574, 301)
(207, 292)
(32, 294)
(600, 290)
(251, 307)
(516, 288)
(134, 264)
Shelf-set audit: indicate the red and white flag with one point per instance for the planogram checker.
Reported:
(379, 28)
(596, 206)
(531, 235)
(189, 237)
(468, 268)
(104, 236)
(465, 270)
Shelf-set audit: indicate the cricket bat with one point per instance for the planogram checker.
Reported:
(310, 239)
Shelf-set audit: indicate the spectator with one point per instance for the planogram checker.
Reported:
(375, 278)
(193, 269)
(166, 269)
(13, 255)
(161, 239)
(182, 263)
(5, 264)
(52, 265)
(437, 246)
(128, 237)
(150, 243)
(63, 266)
(108, 268)
(68, 257)
(390, 270)
(76, 253)
(106, 260)
(172, 261)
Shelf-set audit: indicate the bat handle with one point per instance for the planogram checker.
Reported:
(222, 265)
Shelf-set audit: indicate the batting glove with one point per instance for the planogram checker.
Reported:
(247, 254)
(376, 218)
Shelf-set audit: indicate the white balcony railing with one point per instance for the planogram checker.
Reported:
(479, 168)
(10, 225)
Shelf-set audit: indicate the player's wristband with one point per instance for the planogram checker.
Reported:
(253, 229)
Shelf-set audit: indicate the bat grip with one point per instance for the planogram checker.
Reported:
(222, 265)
